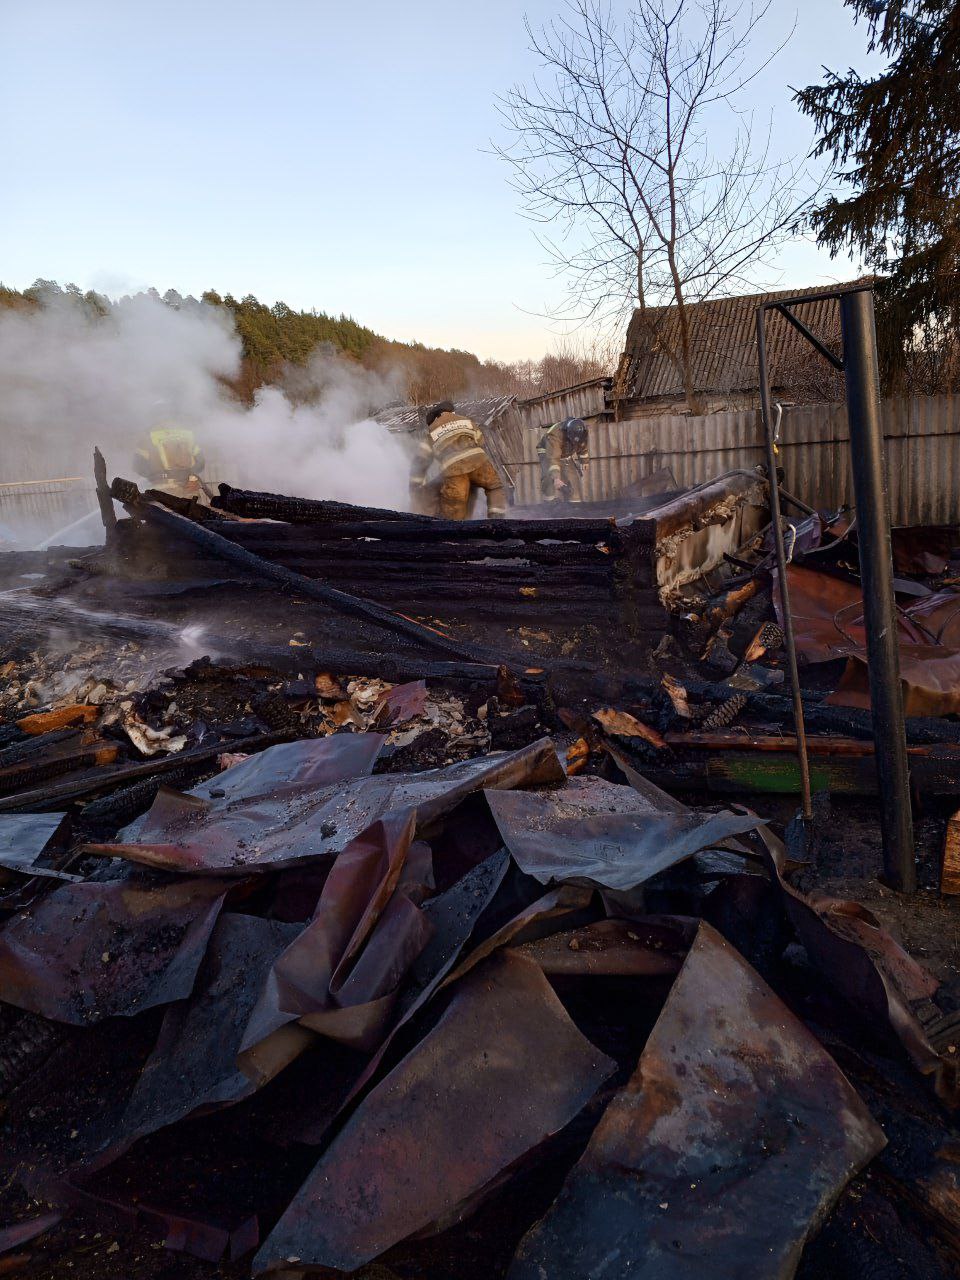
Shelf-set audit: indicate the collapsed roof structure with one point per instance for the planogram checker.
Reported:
(368, 907)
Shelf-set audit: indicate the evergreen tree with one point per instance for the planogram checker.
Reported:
(895, 140)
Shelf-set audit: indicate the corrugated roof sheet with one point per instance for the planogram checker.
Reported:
(409, 417)
(724, 343)
(603, 383)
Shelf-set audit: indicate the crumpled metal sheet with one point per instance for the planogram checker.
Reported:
(452, 916)
(929, 679)
(828, 624)
(24, 837)
(21, 1233)
(275, 809)
(869, 969)
(939, 616)
(193, 1068)
(436, 968)
(828, 616)
(502, 1070)
(340, 975)
(91, 951)
(272, 816)
(733, 857)
(554, 838)
(724, 1151)
(355, 905)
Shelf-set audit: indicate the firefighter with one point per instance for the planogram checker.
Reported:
(456, 444)
(171, 461)
(564, 455)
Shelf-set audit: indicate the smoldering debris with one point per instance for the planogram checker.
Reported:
(364, 940)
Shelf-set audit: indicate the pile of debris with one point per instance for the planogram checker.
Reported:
(568, 578)
(402, 989)
(717, 701)
(336, 940)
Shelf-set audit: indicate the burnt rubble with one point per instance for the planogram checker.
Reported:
(394, 898)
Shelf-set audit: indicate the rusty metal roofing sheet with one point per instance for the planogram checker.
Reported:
(23, 839)
(723, 1152)
(556, 840)
(92, 951)
(868, 967)
(503, 1069)
(262, 820)
(194, 1065)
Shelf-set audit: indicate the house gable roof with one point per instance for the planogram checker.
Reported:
(724, 343)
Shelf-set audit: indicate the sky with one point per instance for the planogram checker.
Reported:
(335, 156)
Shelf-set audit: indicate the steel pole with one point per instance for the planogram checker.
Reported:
(876, 574)
(806, 800)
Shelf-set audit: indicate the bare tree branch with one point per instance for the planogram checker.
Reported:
(611, 145)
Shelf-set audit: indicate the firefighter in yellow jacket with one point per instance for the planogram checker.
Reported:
(564, 454)
(456, 444)
(171, 460)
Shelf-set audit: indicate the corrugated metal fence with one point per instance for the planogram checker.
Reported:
(922, 445)
(922, 437)
(32, 510)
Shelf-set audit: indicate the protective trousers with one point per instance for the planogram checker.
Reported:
(565, 470)
(455, 490)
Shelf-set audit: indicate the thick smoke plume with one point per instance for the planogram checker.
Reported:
(70, 379)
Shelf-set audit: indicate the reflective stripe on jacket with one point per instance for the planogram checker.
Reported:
(169, 452)
(554, 448)
(455, 442)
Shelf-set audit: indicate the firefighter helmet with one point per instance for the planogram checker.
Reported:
(575, 430)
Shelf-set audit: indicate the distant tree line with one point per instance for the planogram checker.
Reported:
(277, 340)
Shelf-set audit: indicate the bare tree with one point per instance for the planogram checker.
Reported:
(632, 141)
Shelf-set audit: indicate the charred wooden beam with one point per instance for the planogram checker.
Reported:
(342, 520)
(105, 502)
(731, 763)
(60, 759)
(343, 602)
(276, 506)
(476, 531)
(277, 539)
(42, 799)
(463, 575)
(395, 668)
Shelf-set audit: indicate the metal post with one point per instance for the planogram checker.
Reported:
(876, 574)
(806, 801)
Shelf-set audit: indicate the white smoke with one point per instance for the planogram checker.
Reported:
(70, 380)
(315, 437)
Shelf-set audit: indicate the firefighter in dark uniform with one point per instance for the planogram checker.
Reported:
(456, 444)
(564, 454)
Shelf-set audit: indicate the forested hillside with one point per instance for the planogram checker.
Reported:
(276, 337)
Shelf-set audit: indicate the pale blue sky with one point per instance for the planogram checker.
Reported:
(333, 155)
